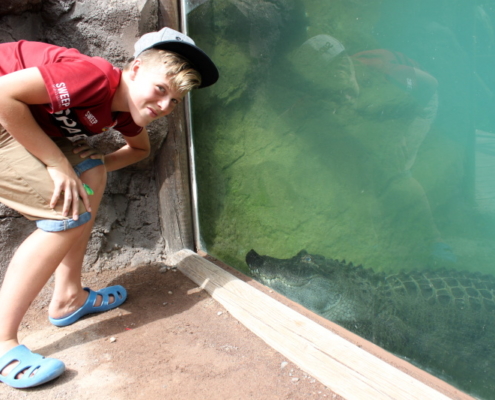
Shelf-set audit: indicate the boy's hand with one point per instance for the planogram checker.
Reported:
(68, 185)
(84, 150)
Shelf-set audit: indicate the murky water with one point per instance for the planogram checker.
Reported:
(357, 130)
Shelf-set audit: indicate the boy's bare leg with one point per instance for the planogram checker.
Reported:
(36, 260)
(29, 270)
(68, 295)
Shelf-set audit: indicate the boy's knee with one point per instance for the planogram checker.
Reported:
(95, 177)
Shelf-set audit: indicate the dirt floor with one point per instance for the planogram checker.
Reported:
(169, 340)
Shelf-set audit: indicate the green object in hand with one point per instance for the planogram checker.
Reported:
(88, 189)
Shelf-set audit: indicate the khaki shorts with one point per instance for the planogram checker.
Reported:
(26, 186)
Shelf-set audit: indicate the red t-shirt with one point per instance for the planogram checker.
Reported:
(81, 89)
(398, 68)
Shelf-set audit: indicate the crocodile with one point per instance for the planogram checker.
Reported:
(442, 320)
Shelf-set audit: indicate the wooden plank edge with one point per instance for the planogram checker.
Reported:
(337, 363)
(399, 363)
(290, 333)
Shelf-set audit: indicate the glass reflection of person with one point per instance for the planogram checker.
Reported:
(397, 102)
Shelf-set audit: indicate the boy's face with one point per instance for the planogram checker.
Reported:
(151, 95)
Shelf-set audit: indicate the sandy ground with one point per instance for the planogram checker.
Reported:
(169, 340)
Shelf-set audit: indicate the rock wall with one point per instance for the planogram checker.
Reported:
(127, 229)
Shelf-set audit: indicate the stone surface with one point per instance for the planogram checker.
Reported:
(18, 6)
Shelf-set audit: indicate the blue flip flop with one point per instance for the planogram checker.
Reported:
(118, 293)
(44, 369)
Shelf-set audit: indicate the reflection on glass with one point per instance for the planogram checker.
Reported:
(364, 131)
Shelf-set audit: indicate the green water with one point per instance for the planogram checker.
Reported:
(374, 143)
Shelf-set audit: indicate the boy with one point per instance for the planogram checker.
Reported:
(49, 95)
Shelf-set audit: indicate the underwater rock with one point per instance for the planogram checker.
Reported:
(247, 36)
(442, 320)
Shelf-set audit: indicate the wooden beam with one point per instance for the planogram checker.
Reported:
(174, 196)
(342, 366)
(169, 14)
(172, 164)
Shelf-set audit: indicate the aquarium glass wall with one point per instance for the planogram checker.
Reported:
(346, 158)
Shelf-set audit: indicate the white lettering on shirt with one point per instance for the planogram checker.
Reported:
(409, 84)
(67, 124)
(62, 94)
(91, 118)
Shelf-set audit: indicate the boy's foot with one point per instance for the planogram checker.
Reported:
(20, 368)
(99, 301)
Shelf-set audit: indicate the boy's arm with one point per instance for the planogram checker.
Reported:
(17, 91)
(136, 149)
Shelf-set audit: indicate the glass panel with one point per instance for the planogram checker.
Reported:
(358, 130)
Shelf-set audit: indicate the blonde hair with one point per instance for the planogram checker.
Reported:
(183, 77)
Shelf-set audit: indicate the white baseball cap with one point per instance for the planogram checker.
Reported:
(172, 40)
(312, 58)
(324, 47)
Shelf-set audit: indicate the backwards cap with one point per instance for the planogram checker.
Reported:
(324, 47)
(169, 39)
(312, 58)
